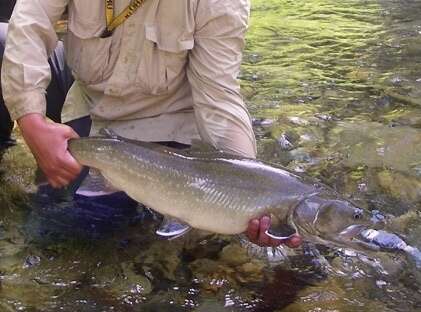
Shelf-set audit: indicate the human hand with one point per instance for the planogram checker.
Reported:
(256, 234)
(48, 143)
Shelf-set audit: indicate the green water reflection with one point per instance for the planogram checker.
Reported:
(334, 88)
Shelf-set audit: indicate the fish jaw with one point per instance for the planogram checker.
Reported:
(332, 222)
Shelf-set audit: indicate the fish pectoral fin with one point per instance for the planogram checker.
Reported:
(95, 185)
(172, 228)
(280, 231)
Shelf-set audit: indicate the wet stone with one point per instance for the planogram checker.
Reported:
(285, 142)
(234, 254)
(262, 122)
(31, 261)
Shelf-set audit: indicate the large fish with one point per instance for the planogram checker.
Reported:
(218, 192)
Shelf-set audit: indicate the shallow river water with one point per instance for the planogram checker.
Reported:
(334, 88)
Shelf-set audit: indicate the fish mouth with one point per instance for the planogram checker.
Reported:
(352, 231)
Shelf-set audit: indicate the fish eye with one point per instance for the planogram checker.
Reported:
(358, 214)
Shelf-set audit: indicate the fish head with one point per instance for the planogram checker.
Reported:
(334, 221)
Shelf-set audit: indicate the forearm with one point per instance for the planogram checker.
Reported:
(223, 120)
(214, 64)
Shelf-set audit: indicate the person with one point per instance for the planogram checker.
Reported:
(151, 70)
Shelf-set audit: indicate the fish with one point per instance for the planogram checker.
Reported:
(208, 189)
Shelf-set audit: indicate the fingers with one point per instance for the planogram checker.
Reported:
(68, 132)
(69, 168)
(48, 143)
(264, 226)
(71, 165)
(253, 230)
(256, 232)
(294, 241)
(58, 182)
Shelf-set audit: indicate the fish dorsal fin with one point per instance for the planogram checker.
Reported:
(95, 185)
(109, 133)
(198, 149)
(201, 149)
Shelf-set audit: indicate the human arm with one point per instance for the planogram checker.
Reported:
(25, 76)
(221, 115)
(214, 63)
(48, 143)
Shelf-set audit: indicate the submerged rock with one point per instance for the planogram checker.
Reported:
(122, 280)
(163, 257)
(375, 145)
(398, 185)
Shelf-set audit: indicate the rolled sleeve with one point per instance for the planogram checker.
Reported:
(214, 63)
(25, 72)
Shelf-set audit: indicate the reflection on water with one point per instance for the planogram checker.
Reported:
(334, 88)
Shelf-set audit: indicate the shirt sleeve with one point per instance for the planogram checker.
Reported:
(31, 38)
(214, 63)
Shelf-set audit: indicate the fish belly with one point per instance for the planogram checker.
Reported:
(214, 211)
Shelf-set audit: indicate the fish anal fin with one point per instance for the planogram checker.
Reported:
(172, 228)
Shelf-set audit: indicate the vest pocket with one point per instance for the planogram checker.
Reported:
(88, 55)
(88, 58)
(163, 61)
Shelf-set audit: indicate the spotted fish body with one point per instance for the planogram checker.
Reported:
(214, 192)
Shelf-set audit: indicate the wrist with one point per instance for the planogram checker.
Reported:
(31, 122)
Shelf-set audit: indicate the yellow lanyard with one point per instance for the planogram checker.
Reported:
(113, 23)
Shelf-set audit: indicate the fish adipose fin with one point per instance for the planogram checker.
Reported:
(95, 185)
(172, 228)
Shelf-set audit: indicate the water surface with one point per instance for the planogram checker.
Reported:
(334, 89)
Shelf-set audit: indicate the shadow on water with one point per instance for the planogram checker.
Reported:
(60, 216)
(284, 289)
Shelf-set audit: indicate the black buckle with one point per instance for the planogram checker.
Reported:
(106, 33)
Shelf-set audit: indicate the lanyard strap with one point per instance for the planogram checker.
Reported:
(113, 23)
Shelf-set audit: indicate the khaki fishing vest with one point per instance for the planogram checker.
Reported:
(168, 73)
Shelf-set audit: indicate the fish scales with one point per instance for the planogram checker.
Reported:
(190, 188)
